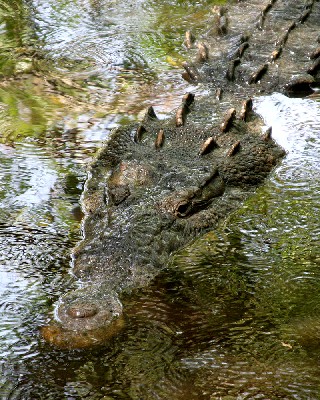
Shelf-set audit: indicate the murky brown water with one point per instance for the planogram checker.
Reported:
(236, 316)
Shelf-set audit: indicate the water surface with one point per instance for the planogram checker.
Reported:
(234, 316)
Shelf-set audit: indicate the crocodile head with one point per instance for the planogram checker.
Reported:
(145, 198)
(157, 184)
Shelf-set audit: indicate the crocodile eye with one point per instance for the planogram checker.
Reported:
(183, 209)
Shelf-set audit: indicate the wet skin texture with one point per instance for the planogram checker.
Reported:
(156, 185)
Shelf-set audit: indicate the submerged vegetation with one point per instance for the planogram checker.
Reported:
(32, 92)
(15, 38)
(46, 75)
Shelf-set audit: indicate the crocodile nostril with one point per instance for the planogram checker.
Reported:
(82, 310)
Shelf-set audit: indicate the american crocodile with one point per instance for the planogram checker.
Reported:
(157, 184)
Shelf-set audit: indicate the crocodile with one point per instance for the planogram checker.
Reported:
(155, 185)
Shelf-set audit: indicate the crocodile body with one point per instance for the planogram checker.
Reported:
(157, 184)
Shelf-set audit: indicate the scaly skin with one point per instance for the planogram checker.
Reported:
(158, 184)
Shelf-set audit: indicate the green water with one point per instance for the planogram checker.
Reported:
(235, 315)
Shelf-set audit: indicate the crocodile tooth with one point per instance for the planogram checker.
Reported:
(315, 54)
(246, 109)
(228, 120)
(150, 114)
(231, 69)
(267, 135)
(234, 149)
(139, 132)
(315, 67)
(208, 146)
(256, 76)
(159, 139)
(189, 39)
(191, 71)
(203, 52)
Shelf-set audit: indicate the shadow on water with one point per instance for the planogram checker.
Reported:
(235, 315)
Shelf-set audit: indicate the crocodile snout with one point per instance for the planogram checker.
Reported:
(85, 317)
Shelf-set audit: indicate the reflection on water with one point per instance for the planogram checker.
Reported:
(115, 59)
(127, 53)
(235, 316)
